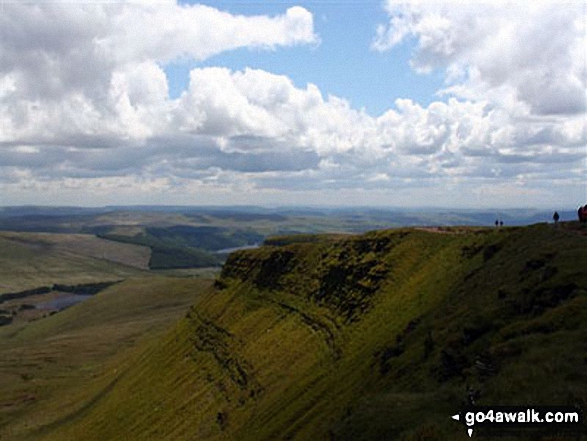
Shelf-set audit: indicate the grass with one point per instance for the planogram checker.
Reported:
(54, 369)
(85, 245)
(168, 253)
(369, 337)
(202, 273)
(29, 260)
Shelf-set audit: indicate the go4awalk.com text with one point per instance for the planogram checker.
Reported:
(510, 420)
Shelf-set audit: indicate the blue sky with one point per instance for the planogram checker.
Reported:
(294, 103)
(342, 64)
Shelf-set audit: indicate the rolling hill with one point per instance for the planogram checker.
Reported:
(30, 260)
(198, 237)
(53, 370)
(379, 336)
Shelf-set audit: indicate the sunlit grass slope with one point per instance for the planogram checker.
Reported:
(30, 260)
(372, 337)
(54, 369)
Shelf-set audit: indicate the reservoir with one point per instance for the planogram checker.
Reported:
(62, 302)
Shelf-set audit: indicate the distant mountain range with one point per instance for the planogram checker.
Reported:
(390, 216)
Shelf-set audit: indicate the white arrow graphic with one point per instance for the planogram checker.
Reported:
(457, 417)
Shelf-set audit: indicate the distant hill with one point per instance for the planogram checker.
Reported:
(279, 220)
(53, 369)
(30, 260)
(194, 237)
(379, 336)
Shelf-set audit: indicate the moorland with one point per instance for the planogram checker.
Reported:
(320, 330)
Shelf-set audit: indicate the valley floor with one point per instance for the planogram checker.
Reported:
(54, 369)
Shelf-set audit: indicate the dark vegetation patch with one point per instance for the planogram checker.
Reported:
(485, 365)
(26, 293)
(470, 251)
(491, 250)
(350, 274)
(184, 246)
(168, 254)
(278, 263)
(563, 317)
(212, 339)
(396, 349)
(475, 329)
(539, 267)
(472, 273)
(178, 257)
(263, 272)
(344, 278)
(279, 241)
(463, 351)
(208, 238)
(26, 306)
(536, 301)
(387, 354)
(222, 420)
(82, 289)
(452, 362)
(247, 216)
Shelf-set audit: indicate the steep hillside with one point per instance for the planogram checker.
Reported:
(374, 337)
(52, 370)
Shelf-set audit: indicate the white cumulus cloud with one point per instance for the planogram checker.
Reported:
(83, 98)
(532, 51)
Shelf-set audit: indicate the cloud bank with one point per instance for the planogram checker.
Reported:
(84, 105)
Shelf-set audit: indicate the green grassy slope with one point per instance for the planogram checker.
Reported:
(169, 253)
(369, 337)
(53, 370)
(30, 260)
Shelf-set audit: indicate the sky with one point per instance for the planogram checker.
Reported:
(337, 103)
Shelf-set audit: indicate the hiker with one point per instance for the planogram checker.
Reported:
(501, 223)
(496, 222)
(555, 217)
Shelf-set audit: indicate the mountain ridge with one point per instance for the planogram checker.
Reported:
(375, 336)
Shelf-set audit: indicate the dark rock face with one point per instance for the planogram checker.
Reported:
(279, 263)
(344, 278)
(263, 272)
(398, 348)
(490, 251)
(350, 275)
